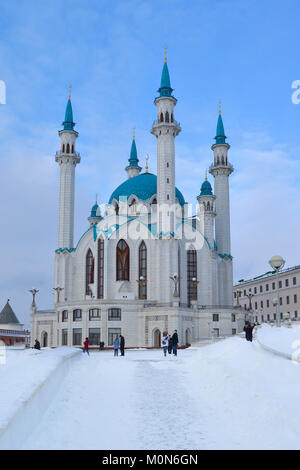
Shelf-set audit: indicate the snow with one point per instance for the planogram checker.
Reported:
(228, 395)
(21, 373)
(284, 340)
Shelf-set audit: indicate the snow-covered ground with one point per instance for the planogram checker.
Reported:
(284, 340)
(228, 395)
(21, 373)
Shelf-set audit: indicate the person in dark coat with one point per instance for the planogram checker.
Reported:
(37, 344)
(248, 329)
(175, 342)
(122, 345)
(170, 347)
(86, 346)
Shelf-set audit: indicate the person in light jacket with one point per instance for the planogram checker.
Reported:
(116, 345)
(165, 342)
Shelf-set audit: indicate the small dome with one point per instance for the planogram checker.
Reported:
(143, 186)
(95, 212)
(206, 189)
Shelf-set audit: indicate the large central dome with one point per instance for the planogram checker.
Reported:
(143, 186)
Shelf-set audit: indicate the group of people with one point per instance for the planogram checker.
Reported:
(248, 329)
(118, 343)
(169, 343)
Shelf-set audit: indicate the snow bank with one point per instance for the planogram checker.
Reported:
(283, 341)
(28, 379)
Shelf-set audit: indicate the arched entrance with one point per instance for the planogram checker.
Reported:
(188, 337)
(44, 339)
(156, 338)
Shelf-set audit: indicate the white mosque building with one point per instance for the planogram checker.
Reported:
(143, 266)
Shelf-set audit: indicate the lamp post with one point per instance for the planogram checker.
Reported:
(58, 291)
(33, 292)
(277, 263)
(175, 278)
(195, 293)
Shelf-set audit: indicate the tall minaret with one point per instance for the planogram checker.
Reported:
(133, 169)
(206, 212)
(165, 129)
(67, 159)
(221, 170)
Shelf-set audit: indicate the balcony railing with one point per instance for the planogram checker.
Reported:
(74, 154)
(156, 122)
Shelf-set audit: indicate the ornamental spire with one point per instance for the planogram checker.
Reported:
(165, 83)
(220, 135)
(68, 122)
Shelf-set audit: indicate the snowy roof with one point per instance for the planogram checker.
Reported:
(266, 275)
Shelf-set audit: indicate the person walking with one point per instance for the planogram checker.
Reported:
(86, 346)
(122, 345)
(165, 342)
(175, 342)
(170, 345)
(116, 345)
(37, 345)
(248, 329)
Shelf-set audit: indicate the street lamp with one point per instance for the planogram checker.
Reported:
(142, 282)
(195, 284)
(277, 263)
(175, 278)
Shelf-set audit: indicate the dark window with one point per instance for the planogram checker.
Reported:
(260, 288)
(94, 314)
(280, 284)
(296, 314)
(267, 287)
(286, 283)
(262, 318)
(122, 261)
(167, 164)
(63, 148)
(234, 331)
(64, 316)
(255, 305)
(64, 337)
(268, 317)
(68, 148)
(287, 299)
(280, 300)
(143, 271)
(172, 117)
(100, 268)
(77, 314)
(255, 290)
(261, 304)
(94, 336)
(294, 281)
(268, 303)
(215, 317)
(77, 336)
(112, 334)
(245, 293)
(72, 148)
(273, 285)
(161, 117)
(295, 298)
(233, 317)
(167, 117)
(114, 314)
(191, 273)
(89, 277)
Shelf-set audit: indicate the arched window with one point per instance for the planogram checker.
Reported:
(89, 272)
(172, 117)
(161, 119)
(143, 271)
(154, 205)
(191, 273)
(167, 117)
(122, 261)
(72, 148)
(100, 268)
(63, 148)
(68, 148)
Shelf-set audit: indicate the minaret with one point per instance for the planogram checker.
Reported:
(206, 201)
(95, 216)
(221, 170)
(67, 159)
(165, 128)
(133, 169)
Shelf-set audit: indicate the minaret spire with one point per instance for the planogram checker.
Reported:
(133, 169)
(67, 158)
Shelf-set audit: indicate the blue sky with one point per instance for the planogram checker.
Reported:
(242, 52)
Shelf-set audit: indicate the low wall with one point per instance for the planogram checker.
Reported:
(28, 416)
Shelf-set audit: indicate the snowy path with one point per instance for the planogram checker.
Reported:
(227, 395)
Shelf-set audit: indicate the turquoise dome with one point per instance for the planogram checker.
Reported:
(143, 186)
(95, 212)
(206, 189)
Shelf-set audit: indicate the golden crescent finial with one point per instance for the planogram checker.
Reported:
(96, 198)
(147, 168)
(166, 54)
(133, 135)
(70, 92)
(220, 107)
(206, 174)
